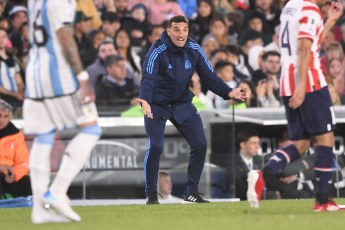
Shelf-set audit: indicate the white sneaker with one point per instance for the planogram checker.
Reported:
(44, 215)
(60, 205)
(256, 185)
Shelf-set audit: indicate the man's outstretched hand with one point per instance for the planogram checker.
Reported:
(238, 93)
(146, 108)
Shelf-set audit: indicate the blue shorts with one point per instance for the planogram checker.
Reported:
(314, 117)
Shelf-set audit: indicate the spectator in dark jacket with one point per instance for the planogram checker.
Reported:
(94, 40)
(111, 24)
(97, 69)
(81, 28)
(271, 14)
(115, 91)
(199, 25)
(121, 8)
(248, 142)
(256, 21)
(137, 25)
(18, 16)
(124, 47)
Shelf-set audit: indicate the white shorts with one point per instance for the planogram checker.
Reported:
(46, 115)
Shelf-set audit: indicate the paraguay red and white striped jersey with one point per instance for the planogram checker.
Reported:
(300, 19)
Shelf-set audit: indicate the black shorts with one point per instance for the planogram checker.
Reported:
(314, 117)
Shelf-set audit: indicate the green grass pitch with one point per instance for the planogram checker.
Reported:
(274, 214)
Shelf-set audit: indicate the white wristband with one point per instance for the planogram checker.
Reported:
(83, 76)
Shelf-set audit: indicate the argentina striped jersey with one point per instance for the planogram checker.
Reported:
(8, 75)
(48, 74)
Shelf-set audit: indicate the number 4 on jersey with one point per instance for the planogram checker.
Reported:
(285, 38)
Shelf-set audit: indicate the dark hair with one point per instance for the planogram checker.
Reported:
(111, 59)
(214, 13)
(221, 65)
(105, 42)
(249, 35)
(220, 50)
(165, 24)
(270, 53)
(153, 27)
(3, 29)
(253, 100)
(209, 2)
(258, 76)
(140, 6)
(234, 17)
(234, 49)
(256, 14)
(2, 18)
(129, 53)
(117, 34)
(200, 25)
(213, 20)
(245, 134)
(95, 32)
(178, 19)
(110, 16)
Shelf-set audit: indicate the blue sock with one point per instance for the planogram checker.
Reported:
(281, 158)
(323, 170)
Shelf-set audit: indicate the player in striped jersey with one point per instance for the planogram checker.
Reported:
(57, 96)
(308, 105)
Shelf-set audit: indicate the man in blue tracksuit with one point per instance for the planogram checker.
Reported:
(164, 94)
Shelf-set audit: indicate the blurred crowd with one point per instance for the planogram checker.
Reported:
(239, 37)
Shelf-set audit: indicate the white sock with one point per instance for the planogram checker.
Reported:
(76, 153)
(39, 173)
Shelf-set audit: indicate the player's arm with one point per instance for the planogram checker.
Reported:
(208, 77)
(238, 93)
(20, 83)
(12, 94)
(70, 48)
(334, 13)
(147, 84)
(304, 53)
(215, 83)
(71, 53)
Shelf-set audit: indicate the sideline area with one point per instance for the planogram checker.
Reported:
(27, 202)
(137, 201)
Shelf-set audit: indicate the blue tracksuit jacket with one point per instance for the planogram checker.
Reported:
(167, 72)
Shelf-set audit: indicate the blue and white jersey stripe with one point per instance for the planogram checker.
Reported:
(197, 47)
(48, 74)
(8, 76)
(153, 56)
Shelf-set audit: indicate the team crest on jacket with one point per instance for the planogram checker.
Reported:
(187, 64)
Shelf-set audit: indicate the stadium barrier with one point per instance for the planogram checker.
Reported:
(115, 167)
